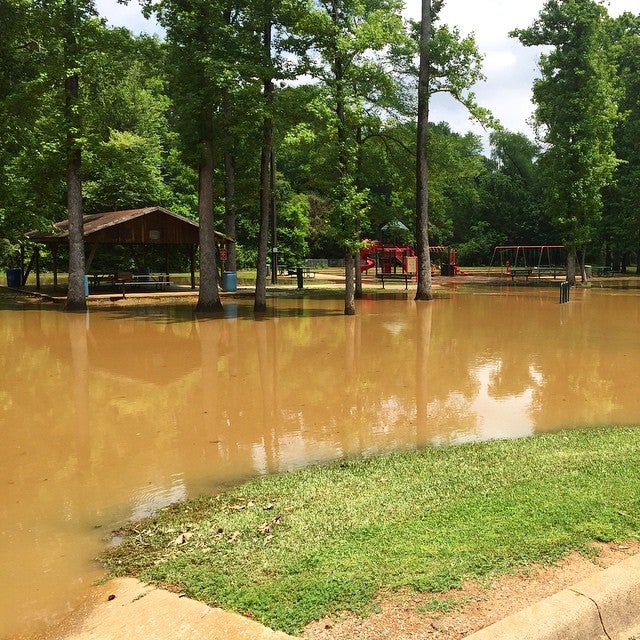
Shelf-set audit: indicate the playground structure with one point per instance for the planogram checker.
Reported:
(526, 260)
(392, 261)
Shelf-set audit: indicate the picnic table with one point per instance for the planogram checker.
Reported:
(405, 275)
(124, 279)
(514, 272)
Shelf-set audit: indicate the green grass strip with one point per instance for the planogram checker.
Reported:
(293, 548)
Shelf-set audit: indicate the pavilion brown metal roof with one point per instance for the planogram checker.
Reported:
(149, 225)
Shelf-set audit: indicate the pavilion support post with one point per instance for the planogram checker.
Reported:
(37, 256)
(192, 264)
(92, 255)
(166, 259)
(55, 266)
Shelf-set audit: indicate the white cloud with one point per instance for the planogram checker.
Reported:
(126, 15)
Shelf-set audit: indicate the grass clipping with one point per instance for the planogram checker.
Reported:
(290, 549)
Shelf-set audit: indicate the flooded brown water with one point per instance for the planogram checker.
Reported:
(109, 416)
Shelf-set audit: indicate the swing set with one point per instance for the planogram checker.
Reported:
(526, 260)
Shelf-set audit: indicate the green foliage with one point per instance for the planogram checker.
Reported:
(576, 112)
(348, 207)
(479, 246)
(9, 254)
(128, 167)
(621, 223)
(293, 548)
(145, 105)
(293, 227)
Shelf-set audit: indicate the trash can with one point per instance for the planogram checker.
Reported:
(588, 269)
(229, 281)
(447, 270)
(86, 286)
(14, 277)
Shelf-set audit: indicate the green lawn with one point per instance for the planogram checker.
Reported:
(292, 548)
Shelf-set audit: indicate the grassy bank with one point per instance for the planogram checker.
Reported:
(293, 548)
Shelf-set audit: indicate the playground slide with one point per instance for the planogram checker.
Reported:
(367, 264)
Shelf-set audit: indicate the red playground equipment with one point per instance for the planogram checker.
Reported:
(401, 262)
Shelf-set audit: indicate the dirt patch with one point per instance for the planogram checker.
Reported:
(458, 613)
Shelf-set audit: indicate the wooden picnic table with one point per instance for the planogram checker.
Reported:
(514, 272)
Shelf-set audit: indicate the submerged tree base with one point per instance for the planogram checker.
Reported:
(76, 306)
(210, 308)
(294, 548)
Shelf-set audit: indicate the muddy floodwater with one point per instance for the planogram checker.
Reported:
(108, 416)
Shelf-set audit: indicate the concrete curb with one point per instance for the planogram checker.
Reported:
(604, 606)
(126, 609)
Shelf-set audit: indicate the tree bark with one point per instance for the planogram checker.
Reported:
(274, 221)
(356, 256)
(208, 296)
(571, 265)
(76, 300)
(424, 289)
(229, 184)
(349, 286)
(343, 159)
(260, 303)
(583, 267)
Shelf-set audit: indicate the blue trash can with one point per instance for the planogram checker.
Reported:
(86, 286)
(229, 281)
(14, 277)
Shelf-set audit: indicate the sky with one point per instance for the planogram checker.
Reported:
(509, 67)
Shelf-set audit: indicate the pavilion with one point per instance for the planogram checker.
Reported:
(142, 228)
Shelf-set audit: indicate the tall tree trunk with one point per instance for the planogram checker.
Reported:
(260, 303)
(274, 222)
(229, 183)
(349, 284)
(76, 300)
(424, 290)
(581, 263)
(208, 296)
(571, 265)
(343, 159)
(358, 270)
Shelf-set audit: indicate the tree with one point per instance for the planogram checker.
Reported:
(26, 111)
(508, 207)
(575, 114)
(423, 290)
(207, 51)
(130, 156)
(277, 19)
(621, 219)
(347, 35)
